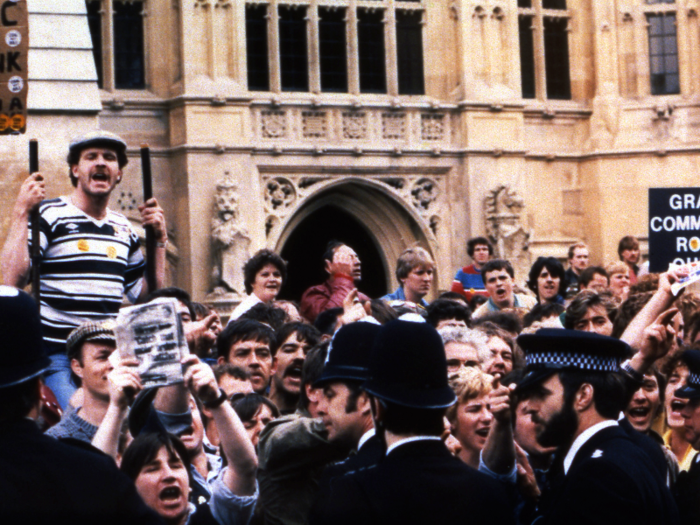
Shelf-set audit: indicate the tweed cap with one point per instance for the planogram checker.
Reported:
(90, 331)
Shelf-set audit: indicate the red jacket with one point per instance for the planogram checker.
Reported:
(328, 295)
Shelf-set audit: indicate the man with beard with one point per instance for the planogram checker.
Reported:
(293, 341)
(574, 392)
(344, 272)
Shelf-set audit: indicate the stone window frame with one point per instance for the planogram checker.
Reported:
(539, 15)
(390, 8)
(106, 53)
(661, 8)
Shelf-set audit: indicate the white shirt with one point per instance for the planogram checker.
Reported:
(365, 437)
(582, 439)
(410, 440)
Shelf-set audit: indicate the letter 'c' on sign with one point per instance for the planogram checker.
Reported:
(3, 13)
(655, 224)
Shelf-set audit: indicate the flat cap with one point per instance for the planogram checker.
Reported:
(98, 137)
(91, 331)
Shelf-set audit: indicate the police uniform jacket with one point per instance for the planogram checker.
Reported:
(45, 481)
(610, 481)
(418, 482)
(688, 493)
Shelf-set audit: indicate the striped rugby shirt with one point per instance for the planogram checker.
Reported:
(87, 266)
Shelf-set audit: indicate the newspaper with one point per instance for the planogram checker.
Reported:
(692, 277)
(152, 333)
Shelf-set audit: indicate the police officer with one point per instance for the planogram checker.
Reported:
(418, 481)
(43, 480)
(688, 485)
(574, 393)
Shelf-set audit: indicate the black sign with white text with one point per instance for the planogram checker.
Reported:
(674, 227)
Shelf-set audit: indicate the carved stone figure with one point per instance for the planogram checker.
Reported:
(503, 210)
(230, 240)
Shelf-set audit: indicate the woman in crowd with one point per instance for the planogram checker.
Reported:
(158, 464)
(619, 274)
(547, 280)
(470, 418)
(263, 277)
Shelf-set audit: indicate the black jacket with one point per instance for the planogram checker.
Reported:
(417, 483)
(43, 480)
(611, 481)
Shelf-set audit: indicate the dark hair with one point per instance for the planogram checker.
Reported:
(311, 370)
(542, 311)
(145, 447)
(402, 420)
(331, 247)
(586, 276)
(305, 332)
(228, 369)
(447, 309)
(585, 300)
(554, 267)
(472, 244)
(609, 390)
(497, 264)
(326, 321)
(382, 311)
(257, 262)
(75, 153)
(573, 247)
(454, 296)
(76, 352)
(200, 311)
(628, 310)
(628, 242)
(17, 400)
(508, 321)
(266, 314)
(476, 301)
(247, 405)
(174, 292)
(243, 330)
(645, 283)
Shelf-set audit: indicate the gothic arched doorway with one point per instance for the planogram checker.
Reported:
(359, 212)
(305, 247)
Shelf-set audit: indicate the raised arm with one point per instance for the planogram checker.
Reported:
(239, 477)
(15, 252)
(499, 451)
(124, 385)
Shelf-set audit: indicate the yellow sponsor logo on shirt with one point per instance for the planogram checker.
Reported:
(111, 252)
(83, 245)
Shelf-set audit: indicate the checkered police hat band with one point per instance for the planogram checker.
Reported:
(573, 360)
(694, 380)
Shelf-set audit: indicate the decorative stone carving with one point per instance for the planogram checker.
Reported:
(416, 190)
(432, 126)
(314, 124)
(424, 193)
(279, 192)
(274, 124)
(230, 240)
(127, 201)
(393, 125)
(354, 125)
(503, 210)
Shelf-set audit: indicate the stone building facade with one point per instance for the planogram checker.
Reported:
(382, 122)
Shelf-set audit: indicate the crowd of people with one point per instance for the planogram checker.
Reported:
(574, 398)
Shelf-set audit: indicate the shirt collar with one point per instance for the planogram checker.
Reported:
(583, 438)
(410, 440)
(365, 437)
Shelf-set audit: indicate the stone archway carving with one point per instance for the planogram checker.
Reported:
(397, 207)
